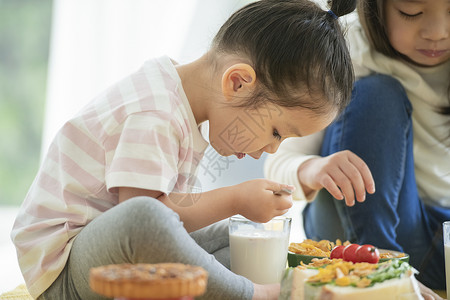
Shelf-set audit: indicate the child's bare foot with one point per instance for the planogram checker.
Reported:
(266, 291)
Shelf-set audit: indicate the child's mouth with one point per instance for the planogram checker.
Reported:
(240, 155)
(433, 53)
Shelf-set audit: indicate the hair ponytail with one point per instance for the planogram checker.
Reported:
(342, 7)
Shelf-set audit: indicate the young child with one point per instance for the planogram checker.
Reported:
(396, 123)
(114, 185)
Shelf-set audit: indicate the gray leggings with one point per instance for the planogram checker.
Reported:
(143, 230)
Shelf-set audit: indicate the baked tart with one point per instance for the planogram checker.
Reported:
(149, 281)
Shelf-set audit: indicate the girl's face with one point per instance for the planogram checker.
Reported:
(420, 29)
(240, 131)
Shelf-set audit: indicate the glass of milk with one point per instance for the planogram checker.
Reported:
(446, 230)
(259, 250)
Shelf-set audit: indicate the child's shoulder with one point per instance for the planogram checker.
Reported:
(155, 86)
(150, 95)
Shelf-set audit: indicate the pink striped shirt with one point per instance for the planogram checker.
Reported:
(139, 133)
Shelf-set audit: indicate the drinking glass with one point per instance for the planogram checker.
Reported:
(259, 250)
(446, 231)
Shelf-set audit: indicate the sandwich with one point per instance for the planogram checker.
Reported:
(336, 279)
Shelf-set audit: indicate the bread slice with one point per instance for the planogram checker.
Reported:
(405, 288)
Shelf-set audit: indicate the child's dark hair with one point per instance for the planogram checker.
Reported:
(293, 44)
(371, 16)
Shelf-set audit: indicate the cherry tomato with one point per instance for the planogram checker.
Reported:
(367, 253)
(337, 252)
(349, 253)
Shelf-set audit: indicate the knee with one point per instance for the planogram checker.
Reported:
(379, 84)
(146, 213)
(381, 93)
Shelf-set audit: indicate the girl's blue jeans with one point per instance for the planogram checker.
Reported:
(377, 127)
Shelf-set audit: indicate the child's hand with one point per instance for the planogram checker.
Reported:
(428, 294)
(266, 291)
(343, 174)
(255, 199)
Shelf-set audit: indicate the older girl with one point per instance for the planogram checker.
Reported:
(396, 123)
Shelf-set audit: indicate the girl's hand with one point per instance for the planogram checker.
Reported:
(428, 294)
(255, 199)
(343, 174)
(266, 291)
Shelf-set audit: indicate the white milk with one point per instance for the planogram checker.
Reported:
(259, 255)
(447, 268)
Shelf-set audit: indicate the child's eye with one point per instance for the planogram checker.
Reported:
(276, 134)
(409, 16)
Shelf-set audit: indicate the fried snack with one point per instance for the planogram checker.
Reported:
(310, 247)
(390, 255)
(149, 281)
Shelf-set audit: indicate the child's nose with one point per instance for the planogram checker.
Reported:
(436, 28)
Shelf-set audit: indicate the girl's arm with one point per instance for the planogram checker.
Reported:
(343, 174)
(254, 199)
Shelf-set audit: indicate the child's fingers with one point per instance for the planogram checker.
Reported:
(364, 170)
(344, 184)
(356, 181)
(347, 190)
(283, 202)
(329, 184)
(283, 191)
(279, 188)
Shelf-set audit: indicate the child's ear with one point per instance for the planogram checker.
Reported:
(239, 79)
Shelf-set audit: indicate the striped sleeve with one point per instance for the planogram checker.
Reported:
(143, 153)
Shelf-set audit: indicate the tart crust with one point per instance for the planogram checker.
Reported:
(154, 281)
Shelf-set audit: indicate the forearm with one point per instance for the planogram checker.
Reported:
(255, 199)
(195, 210)
(201, 209)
